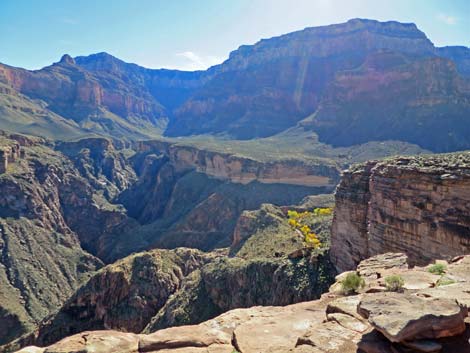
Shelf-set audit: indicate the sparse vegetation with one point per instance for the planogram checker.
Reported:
(394, 283)
(437, 269)
(352, 283)
(445, 281)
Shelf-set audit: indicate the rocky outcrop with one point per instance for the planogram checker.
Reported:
(332, 324)
(227, 283)
(123, 296)
(416, 205)
(403, 318)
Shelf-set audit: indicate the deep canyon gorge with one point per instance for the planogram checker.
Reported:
(226, 210)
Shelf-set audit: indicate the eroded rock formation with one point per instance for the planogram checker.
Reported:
(416, 205)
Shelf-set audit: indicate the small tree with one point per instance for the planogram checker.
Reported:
(394, 283)
(352, 283)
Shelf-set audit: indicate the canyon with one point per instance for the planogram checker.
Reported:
(68, 208)
(155, 210)
(416, 205)
(313, 80)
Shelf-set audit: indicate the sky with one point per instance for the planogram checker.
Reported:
(193, 35)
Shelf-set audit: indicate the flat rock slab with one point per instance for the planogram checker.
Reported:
(216, 348)
(348, 322)
(97, 342)
(457, 291)
(331, 337)
(198, 336)
(407, 317)
(345, 305)
(31, 349)
(382, 262)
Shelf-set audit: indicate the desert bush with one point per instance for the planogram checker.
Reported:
(437, 269)
(352, 283)
(394, 283)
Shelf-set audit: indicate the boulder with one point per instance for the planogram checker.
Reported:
(407, 317)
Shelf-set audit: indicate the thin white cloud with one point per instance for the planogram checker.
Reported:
(195, 61)
(447, 19)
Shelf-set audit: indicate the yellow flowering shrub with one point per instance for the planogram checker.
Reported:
(296, 221)
(326, 211)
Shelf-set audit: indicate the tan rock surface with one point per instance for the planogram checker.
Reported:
(97, 342)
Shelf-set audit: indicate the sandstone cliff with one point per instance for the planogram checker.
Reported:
(416, 205)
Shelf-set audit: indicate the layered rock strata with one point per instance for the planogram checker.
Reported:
(417, 205)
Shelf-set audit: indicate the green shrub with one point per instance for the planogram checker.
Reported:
(444, 281)
(352, 283)
(437, 269)
(394, 283)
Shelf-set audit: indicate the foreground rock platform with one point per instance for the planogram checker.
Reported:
(428, 317)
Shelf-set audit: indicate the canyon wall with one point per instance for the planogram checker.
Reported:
(238, 169)
(416, 205)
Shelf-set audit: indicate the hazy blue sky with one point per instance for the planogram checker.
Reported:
(195, 34)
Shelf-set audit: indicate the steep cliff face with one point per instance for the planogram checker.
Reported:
(426, 103)
(239, 169)
(41, 260)
(416, 205)
(122, 296)
(288, 74)
(331, 73)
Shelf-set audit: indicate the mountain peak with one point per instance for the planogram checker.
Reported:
(67, 59)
